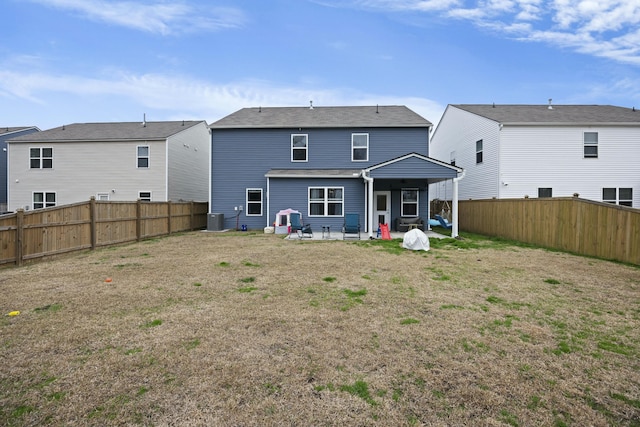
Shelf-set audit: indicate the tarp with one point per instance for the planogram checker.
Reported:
(415, 240)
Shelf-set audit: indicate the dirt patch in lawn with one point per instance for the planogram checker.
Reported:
(253, 330)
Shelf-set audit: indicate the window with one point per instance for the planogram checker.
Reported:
(359, 147)
(625, 196)
(452, 158)
(479, 151)
(299, 148)
(618, 196)
(41, 158)
(544, 192)
(254, 202)
(102, 196)
(326, 201)
(409, 202)
(143, 156)
(43, 200)
(144, 196)
(591, 144)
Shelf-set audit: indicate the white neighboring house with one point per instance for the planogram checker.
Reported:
(516, 151)
(151, 161)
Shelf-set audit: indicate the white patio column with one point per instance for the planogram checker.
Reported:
(369, 207)
(454, 205)
(454, 209)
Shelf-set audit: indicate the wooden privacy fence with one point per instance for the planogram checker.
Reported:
(87, 225)
(569, 224)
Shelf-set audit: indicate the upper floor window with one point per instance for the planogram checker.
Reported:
(43, 200)
(591, 144)
(544, 192)
(326, 201)
(143, 156)
(299, 147)
(254, 202)
(409, 202)
(618, 196)
(479, 150)
(41, 158)
(102, 196)
(144, 196)
(359, 147)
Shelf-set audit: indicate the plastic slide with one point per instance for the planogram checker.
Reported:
(384, 231)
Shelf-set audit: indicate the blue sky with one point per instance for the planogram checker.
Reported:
(68, 61)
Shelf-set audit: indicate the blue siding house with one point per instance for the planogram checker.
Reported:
(323, 162)
(8, 133)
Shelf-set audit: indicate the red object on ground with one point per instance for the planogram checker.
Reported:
(384, 232)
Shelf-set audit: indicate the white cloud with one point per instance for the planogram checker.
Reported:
(128, 94)
(604, 28)
(164, 18)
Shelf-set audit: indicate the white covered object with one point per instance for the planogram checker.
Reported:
(415, 240)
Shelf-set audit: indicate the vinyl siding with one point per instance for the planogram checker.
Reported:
(553, 157)
(458, 131)
(188, 166)
(83, 169)
(293, 193)
(4, 164)
(530, 157)
(412, 168)
(240, 158)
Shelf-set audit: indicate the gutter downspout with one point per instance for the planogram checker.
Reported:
(369, 207)
(454, 208)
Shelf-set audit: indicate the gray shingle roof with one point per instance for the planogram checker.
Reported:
(559, 114)
(7, 129)
(321, 117)
(116, 131)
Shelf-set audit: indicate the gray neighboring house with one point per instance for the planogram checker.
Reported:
(150, 161)
(323, 162)
(8, 133)
(513, 151)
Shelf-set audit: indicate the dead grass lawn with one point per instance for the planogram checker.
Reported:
(251, 330)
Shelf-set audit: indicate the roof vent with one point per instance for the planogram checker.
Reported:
(144, 120)
(550, 107)
(310, 105)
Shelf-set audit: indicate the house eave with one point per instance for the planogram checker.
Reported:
(313, 173)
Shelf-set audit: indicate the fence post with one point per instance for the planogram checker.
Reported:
(92, 221)
(191, 223)
(169, 217)
(19, 237)
(139, 220)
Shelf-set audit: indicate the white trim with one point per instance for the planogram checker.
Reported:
(148, 157)
(246, 207)
(306, 147)
(417, 202)
(326, 201)
(44, 199)
(150, 196)
(417, 156)
(41, 157)
(366, 159)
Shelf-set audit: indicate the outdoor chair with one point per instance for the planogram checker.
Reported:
(301, 230)
(443, 222)
(351, 225)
